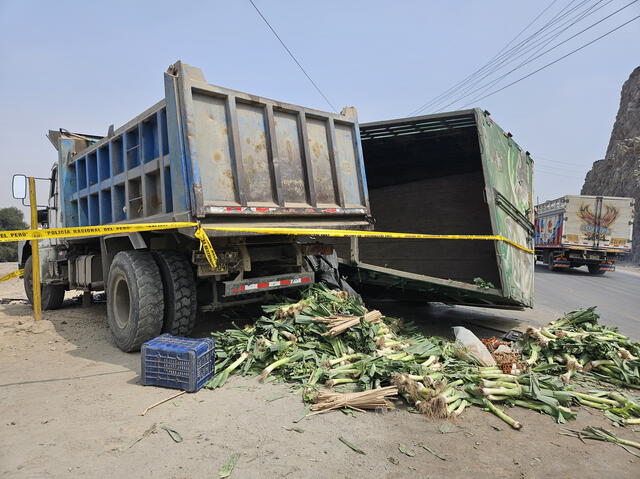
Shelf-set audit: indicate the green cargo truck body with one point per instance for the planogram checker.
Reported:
(454, 173)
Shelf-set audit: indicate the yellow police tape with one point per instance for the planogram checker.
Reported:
(363, 234)
(81, 231)
(14, 274)
(205, 243)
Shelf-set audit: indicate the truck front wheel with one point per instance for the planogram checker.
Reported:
(51, 295)
(135, 301)
(180, 305)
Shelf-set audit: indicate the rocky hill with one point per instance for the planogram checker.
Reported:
(619, 173)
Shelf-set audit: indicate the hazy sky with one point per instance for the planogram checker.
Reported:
(85, 65)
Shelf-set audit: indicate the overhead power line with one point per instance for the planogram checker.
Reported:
(315, 85)
(538, 158)
(500, 55)
(531, 59)
(526, 28)
(553, 173)
(561, 167)
(471, 76)
(535, 42)
(536, 45)
(554, 164)
(555, 61)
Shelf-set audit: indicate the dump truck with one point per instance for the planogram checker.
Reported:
(453, 173)
(203, 154)
(591, 231)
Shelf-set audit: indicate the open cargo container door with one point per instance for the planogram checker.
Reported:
(452, 173)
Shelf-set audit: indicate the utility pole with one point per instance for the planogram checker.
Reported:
(35, 253)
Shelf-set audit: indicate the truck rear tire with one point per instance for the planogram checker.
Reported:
(595, 269)
(51, 295)
(135, 300)
(179, 284)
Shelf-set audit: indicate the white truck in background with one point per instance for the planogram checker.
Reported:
(592, 231)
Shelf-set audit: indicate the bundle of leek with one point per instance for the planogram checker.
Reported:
(430, 396)
(359, 401)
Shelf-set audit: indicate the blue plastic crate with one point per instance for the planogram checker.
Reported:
(179, 363)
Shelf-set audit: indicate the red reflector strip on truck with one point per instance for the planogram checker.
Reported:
(261, 284)
(284, 210)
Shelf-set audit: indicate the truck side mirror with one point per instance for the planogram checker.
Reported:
(19, 187)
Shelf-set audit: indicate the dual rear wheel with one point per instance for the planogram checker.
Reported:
(147, 294)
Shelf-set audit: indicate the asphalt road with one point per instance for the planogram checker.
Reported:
(616, 294)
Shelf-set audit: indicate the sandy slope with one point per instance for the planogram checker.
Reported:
(70, 404)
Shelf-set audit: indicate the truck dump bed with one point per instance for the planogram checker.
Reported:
(219, 156)
(457, 174)
(591, 222)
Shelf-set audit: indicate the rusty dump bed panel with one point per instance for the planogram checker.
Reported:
(222, 157)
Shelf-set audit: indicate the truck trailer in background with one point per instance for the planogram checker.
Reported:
(591, 231)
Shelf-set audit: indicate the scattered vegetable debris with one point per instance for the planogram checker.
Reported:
(428, 449)
(227, 467)
(151, 430)
(328, 340)
(405, 450)
(295, 429)
(601, 434)
(275, 398)
(350, 445)
(173, 434)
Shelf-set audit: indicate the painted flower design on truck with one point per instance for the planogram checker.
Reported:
(591, 227)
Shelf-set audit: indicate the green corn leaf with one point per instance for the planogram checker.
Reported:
(428, 449)
(405, 450)
(351, 446)
(227, 467)
(173, 434)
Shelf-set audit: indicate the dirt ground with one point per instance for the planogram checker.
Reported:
(71, 403)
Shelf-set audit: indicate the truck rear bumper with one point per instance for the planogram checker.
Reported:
(266, 283)
(607, 267)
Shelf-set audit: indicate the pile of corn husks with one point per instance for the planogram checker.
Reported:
(328, 340)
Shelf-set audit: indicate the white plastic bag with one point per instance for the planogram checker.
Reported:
(473, 345)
